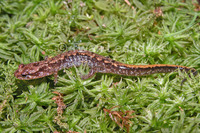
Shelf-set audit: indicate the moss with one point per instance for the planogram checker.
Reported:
(153, 32)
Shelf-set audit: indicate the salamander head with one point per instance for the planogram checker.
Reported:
(31, 71)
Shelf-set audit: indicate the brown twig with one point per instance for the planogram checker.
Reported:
(59, 101)
(119, 117)
(158, 12)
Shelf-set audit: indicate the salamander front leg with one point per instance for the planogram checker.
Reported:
(55, 77)
(89, 75)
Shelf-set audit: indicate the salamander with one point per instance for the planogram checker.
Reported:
(96, 64)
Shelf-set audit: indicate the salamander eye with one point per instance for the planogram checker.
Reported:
(23, 75)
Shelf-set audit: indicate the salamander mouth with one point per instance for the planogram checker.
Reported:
(25, 76)
(31, 76)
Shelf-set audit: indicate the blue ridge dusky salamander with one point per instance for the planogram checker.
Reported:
(96, 63)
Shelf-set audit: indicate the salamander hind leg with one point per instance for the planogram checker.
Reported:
(89, 75)
(193, 72)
